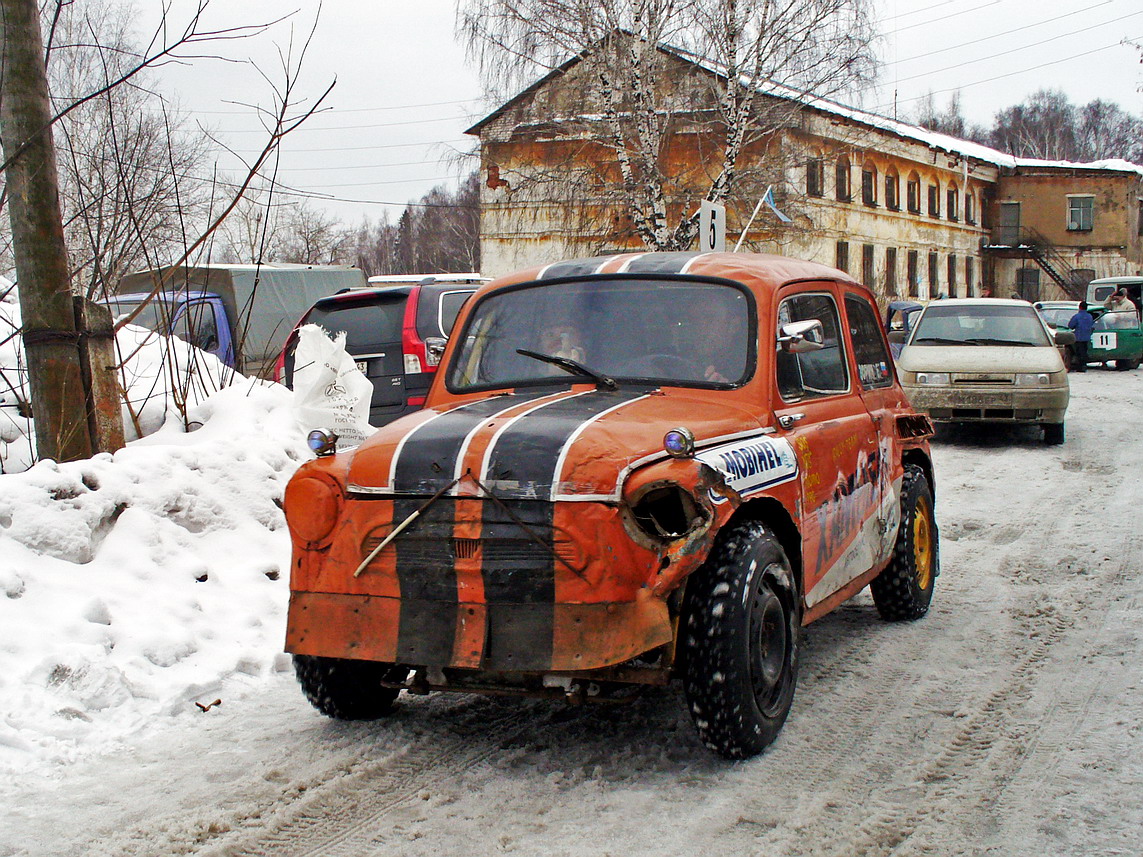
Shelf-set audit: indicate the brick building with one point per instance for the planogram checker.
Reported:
(908, 211)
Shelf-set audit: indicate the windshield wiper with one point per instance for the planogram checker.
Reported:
(939, 339)
(984, 340)
(572, 367)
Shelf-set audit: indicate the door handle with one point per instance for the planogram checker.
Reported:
(787, 420)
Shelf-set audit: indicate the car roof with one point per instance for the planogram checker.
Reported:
(756, 270)
(970, 302)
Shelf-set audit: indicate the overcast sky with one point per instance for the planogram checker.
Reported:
(405, 94)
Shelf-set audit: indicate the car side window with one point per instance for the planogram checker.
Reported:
(817, 373)
(868, 348)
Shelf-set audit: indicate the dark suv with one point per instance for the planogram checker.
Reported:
(396, 333)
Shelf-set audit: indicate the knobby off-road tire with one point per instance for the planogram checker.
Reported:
(346, 689)
(741, 640)
(904, 589)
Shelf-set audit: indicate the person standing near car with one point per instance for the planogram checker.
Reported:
(1119, 302)
(1082, 323)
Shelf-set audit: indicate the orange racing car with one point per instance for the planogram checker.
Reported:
(629, 469)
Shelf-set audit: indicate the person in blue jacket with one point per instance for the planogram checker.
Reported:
(1082, 323)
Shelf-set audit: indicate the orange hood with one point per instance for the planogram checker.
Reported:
(537, 444)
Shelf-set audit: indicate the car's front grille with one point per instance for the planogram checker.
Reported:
(983, 379)
(527, 541)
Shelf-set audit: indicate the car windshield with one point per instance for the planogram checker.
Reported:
(370, 322)
(1058, 316)
(155, 314)
(980, 324)
(688, 333)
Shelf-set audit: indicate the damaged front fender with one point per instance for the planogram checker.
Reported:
(670, 509)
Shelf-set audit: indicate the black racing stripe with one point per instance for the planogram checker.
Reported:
(518, 565)
(425, 563)
(526, 453)
(574, 267)
(660, 263)
(427, 461)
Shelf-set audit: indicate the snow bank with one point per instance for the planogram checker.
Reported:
(135, 585)
(158, 373)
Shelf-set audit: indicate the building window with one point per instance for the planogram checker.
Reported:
(952, 276)
(890, 270)
(970, 276)
(869, 185)
(1081, 213)
(892, 191)
(934, 274)
(913, 261)
(969, 208)
(815, 177)
(841, 179)
(867, 272)
(913, 194)
(934, 200)
(842, 257)
(952, 203)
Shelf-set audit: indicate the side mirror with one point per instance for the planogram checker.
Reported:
(798, 337)
(897, 337)
(1065, 337)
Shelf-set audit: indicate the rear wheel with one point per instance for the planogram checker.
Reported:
(1125, 365)
(348, 689)
(1053, 433)
(904, 589)
(741, 642)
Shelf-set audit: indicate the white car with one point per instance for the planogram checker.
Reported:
(986, 360)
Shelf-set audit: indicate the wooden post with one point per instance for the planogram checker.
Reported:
(100, 377)
(51, 341)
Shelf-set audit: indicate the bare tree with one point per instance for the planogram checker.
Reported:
(747, 63)
(130, 165)
(1047, 125)
(312, 236)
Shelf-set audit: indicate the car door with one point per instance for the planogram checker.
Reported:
(873, 369)
(820, 412)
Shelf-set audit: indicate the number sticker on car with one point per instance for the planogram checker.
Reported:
(1103, 340)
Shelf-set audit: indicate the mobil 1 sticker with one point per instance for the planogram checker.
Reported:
(752, 464)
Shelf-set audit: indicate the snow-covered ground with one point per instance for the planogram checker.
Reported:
(145, 587)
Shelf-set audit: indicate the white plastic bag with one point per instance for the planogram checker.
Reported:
(329, 390)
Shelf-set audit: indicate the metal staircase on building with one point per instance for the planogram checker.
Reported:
(1009, 242)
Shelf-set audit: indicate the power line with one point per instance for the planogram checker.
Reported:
(1010, 74)
(346, 109)
(997, 35)
(1021, 48)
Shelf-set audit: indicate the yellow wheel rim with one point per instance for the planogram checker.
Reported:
(923, 544)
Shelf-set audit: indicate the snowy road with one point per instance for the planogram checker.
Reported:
(1006, 722)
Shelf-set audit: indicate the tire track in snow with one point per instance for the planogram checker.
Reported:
(344, 814)
(990, 740)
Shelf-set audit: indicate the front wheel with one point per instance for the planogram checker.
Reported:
(903, 590)
(347, 689)
(1053, 433)
(741, 641)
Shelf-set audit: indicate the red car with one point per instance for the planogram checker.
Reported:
(629, 470)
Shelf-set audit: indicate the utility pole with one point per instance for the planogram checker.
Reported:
(52, 337)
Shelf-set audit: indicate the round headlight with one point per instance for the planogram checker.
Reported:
(679, 443)
(322, 441)
(312, 506)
